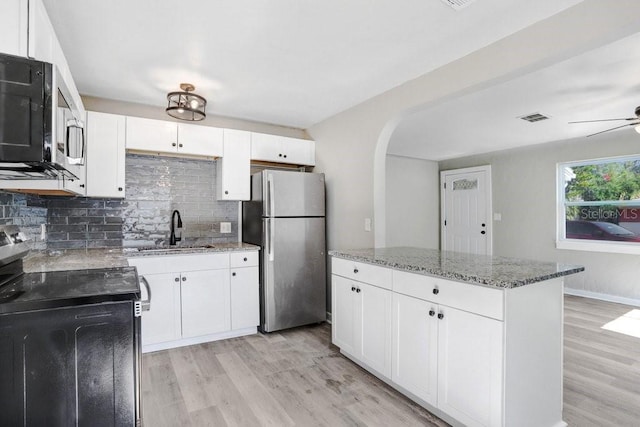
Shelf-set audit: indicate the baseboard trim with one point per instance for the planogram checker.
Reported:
(603, 297)
(148, 348)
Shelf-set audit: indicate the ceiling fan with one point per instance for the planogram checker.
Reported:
(635, 122)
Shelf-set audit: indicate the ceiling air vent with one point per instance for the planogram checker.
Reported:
(535, 117)
(458, 4)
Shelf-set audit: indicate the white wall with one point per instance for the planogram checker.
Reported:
(524, 192)
(351, 146)
(413, 203)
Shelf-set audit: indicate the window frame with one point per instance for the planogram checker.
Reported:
(583, 244)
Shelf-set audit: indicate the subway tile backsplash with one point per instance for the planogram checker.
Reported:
(155, 186)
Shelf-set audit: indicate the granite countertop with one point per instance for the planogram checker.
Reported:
(495, 271)
(81, 259)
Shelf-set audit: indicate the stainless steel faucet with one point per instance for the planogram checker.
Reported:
(172, 238)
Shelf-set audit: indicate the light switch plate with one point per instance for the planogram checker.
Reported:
(225, 227)
(367, 224)
(497, 217)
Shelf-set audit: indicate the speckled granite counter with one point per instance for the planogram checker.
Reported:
(81, 259)
(501, 272)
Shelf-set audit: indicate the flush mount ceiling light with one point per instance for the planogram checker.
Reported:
(186, 105)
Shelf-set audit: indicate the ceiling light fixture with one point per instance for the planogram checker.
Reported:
(186, 105)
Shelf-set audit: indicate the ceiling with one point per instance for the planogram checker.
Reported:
(286, 62)
(599, 84)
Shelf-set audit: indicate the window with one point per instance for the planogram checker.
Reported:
(599, 206)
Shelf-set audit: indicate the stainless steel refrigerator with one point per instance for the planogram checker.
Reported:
(285, 217)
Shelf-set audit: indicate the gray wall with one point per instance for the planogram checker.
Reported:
(524, 192)
(413, 202)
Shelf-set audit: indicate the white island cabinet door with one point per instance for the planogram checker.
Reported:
(375, 326)
(162, 322)
(343, 315)
(245, 299)
(206, 302)
(152, 135)
(470, 360)
(415, 347)
(200, 140)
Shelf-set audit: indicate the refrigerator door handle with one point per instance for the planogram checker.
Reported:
(270, 199)
(270, 239)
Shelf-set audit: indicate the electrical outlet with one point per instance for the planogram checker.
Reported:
(367, 224)
(225, 227)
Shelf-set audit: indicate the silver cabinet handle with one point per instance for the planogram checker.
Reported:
(146, 304)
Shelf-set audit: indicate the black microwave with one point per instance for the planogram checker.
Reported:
(41, 135)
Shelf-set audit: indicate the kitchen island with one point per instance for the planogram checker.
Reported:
(477, 340)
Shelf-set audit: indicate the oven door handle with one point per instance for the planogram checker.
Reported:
(146, 304)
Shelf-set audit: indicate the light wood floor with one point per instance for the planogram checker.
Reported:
(298, 378)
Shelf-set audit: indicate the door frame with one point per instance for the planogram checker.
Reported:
(488, 202)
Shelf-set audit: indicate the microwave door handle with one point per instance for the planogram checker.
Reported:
(77, 125)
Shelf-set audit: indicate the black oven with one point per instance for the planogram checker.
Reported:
(69, 343)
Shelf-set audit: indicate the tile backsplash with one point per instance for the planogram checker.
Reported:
(155, 186)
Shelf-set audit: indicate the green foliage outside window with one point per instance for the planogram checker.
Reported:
(604, 182)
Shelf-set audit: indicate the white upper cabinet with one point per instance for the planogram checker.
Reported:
(160, 136)
(282, 149)
(200, 140)
(14, 26)
(105, 155)
(151, 135)
(233, 176)
(42, 38)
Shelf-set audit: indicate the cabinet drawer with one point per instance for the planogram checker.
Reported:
(243, 259)
(367, 273)
(179, 263)
(472, 298)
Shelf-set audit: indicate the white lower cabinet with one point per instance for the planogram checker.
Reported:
(245, 299)
(451, 359)
(163, 321)
(474, 355)
(197, 298)
(362, 322)
(415, 347)
(470, 360)
(205, 302)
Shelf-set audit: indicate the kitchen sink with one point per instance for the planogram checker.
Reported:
(174, 248)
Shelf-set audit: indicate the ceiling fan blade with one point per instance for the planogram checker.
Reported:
(604, 120)
(617, 127)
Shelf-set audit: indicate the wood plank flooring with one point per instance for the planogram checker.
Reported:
(298, 378)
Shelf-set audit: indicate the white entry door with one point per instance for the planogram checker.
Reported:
(466, 210)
